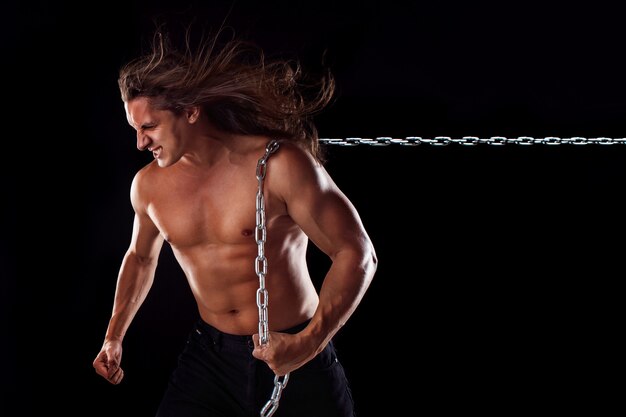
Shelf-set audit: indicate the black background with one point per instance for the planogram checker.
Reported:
(505, 306)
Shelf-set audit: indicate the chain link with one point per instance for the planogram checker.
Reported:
(260, 267)
(473, 140)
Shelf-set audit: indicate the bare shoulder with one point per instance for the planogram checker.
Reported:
(142, 184)
(294, 170)
(292, 159)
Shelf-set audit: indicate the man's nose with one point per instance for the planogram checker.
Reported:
(142, 141)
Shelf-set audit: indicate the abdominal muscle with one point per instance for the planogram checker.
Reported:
(224, 283)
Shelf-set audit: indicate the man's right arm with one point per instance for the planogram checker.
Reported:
(134, 280)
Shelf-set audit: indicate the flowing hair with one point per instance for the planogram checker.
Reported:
(238, 88)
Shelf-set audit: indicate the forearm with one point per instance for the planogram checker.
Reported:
(133, 284)
(343, 288)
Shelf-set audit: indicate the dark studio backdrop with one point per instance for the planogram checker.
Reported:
(499, 308)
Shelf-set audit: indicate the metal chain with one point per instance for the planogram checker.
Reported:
(260, 266)
(473, 140)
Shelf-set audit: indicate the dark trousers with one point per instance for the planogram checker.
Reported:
(217, 376)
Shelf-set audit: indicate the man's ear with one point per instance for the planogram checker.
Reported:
(192, 113)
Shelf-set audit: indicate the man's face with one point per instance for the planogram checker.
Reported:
(161, 132)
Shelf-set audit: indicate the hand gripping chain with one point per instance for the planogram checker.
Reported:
(261, 270)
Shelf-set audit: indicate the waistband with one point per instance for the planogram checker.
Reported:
(219, 336)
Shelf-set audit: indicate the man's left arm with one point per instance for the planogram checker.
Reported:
(333, 224)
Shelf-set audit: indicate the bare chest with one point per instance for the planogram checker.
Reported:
(215, 210)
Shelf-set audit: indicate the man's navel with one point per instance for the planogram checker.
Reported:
(246, 232)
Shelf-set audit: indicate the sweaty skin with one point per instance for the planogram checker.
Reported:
(199, 195)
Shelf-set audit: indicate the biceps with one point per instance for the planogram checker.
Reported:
(330, 220)
(146, 240)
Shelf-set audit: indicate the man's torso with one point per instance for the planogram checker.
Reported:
(209, 218)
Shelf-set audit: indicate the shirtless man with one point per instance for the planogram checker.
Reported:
(207, 116)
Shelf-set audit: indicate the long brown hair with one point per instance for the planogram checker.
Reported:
(240, 90)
